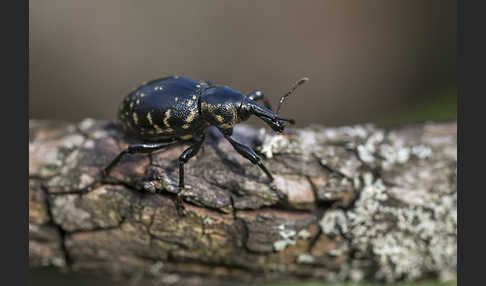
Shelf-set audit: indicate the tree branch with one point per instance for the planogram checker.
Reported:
(364, 203)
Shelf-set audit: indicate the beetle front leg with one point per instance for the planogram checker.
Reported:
(185, 156)
(253, 157)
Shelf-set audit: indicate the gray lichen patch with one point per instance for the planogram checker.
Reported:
(79, 162)
(101, 208)
(278, 144)
(48, 149)
(334, 222)
(273, 230)
(396, 238)
(305, 258)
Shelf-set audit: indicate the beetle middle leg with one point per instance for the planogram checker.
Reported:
(185, 156)
(253, 157)
(132, 149)
(258, 95)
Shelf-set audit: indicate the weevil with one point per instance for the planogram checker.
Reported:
(175, 109)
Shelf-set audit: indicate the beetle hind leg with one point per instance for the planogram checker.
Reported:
(132, 149)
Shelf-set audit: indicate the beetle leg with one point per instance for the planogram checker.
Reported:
(253, 157)
(132, 149)
(258, 95)
(185, 156)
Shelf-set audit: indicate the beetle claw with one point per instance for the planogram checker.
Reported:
(281, 195)
(179, 203)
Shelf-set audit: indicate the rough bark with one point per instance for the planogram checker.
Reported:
(364, 204)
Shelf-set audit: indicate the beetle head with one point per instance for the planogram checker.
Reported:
(249, 107)
(275, 122)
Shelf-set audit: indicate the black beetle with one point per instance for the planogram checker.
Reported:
(169, 110)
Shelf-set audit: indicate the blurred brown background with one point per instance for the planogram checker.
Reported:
(366, 60)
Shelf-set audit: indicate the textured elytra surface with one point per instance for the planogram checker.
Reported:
(364, 204)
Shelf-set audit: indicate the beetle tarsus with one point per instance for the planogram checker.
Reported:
(90, 187)
(179, 202)
(281, 195)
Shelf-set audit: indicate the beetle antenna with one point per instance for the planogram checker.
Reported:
(299, 82)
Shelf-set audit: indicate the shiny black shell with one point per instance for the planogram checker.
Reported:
(163, 110)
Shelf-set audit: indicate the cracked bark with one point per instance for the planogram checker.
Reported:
(364, 204)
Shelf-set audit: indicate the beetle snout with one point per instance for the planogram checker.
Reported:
(278, 125)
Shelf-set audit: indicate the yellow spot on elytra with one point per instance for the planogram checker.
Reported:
(131, 104)
(191, 116)
(135, 118)
(194, 97)
(185, 137)
(211, 108)
(158, 129)
(189, 102)
(176, 99)
(138, 101)
(226, 126)
(185, 126)
(166, 117)
(142, 94)
(219, 118)
(149, 118)
(198, 86)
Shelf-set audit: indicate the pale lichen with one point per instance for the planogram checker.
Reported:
(208, 220)
(305, 258)
(304, 234)
(404, 241)
(287, 236)
(276, 144)
(403, 236)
